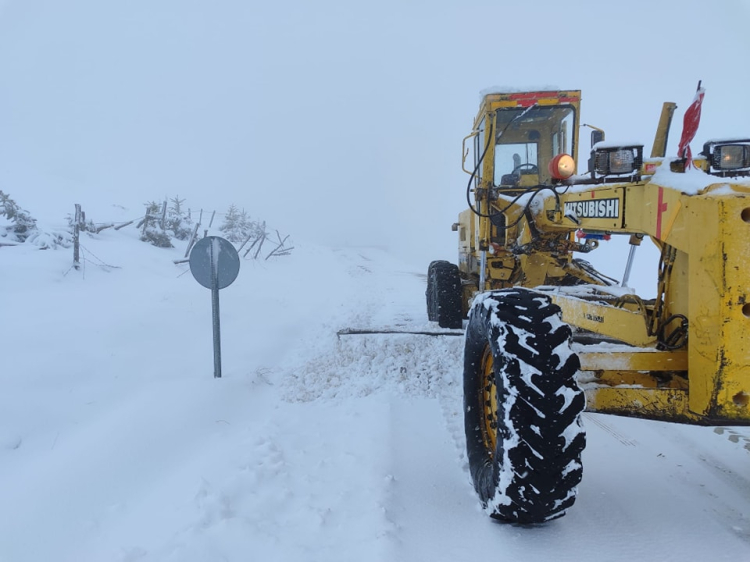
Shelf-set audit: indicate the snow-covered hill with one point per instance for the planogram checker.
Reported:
(117, 444)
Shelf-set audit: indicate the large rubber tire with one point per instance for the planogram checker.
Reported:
(430, 292)
(444, 295)
(522, 407)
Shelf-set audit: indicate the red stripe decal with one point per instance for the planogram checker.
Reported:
(661, 206)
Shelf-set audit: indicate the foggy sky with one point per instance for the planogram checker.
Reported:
(337, 122)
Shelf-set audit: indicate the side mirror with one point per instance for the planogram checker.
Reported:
(597, 135)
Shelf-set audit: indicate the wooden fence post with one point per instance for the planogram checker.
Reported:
(245, 242)
(191, 240)
(163, 215)
(76, 235)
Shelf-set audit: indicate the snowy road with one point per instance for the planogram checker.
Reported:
(117, 444)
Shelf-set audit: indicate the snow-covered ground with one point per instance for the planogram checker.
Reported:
(117, 444)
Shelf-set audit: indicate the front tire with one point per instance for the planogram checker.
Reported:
(522, 407)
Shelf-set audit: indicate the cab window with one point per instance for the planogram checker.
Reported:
(516, 159)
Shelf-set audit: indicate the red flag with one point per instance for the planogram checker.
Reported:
(690, 126)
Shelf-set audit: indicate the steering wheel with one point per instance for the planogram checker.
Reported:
(526, 169)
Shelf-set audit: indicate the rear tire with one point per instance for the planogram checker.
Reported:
(522, 407)
(444, 295)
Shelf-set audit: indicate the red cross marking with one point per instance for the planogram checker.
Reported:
(661, 206)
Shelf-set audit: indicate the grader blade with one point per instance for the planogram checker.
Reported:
(358, 332)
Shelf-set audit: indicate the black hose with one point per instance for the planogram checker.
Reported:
(677, 338)
(535, 189)
(476, 168)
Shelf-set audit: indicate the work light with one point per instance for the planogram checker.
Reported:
(562, 166)
(615, 160)
(727, 157)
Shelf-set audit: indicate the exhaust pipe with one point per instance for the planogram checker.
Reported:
(659, 149)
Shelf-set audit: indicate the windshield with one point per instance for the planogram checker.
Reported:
(526, 139)
(515, 158)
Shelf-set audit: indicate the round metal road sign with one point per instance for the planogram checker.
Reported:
(214, 262)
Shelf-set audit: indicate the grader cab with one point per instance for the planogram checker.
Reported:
(548, 335)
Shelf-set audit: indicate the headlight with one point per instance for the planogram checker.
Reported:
(562, 166)
(728, 156)
(615, 160)
(621, 161)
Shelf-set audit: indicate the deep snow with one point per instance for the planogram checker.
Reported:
(116, 442)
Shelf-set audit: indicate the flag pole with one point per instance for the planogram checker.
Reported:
(690, 123)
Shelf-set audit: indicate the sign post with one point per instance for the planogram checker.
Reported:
(215, 264)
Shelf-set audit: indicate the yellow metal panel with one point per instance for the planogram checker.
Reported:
(654, 210)
(706, 286)
(622, 324)
(634, 361)
(733, 390)
(660, 404)
(719, 354)
(641, 379)
(535, 269)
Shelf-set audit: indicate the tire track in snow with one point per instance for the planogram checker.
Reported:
(431, 502)
(597, 420)
(657, 489)
(728, 496)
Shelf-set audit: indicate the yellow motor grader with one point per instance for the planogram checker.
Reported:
(548, 335)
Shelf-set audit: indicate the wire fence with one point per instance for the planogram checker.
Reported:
(163, 229)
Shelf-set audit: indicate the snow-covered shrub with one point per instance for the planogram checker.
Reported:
(19, 227)
(46, 240)
(18, 224)
(152, 232)
(178, 222)
(237, 226)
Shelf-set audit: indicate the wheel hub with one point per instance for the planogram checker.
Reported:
(488, 402)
